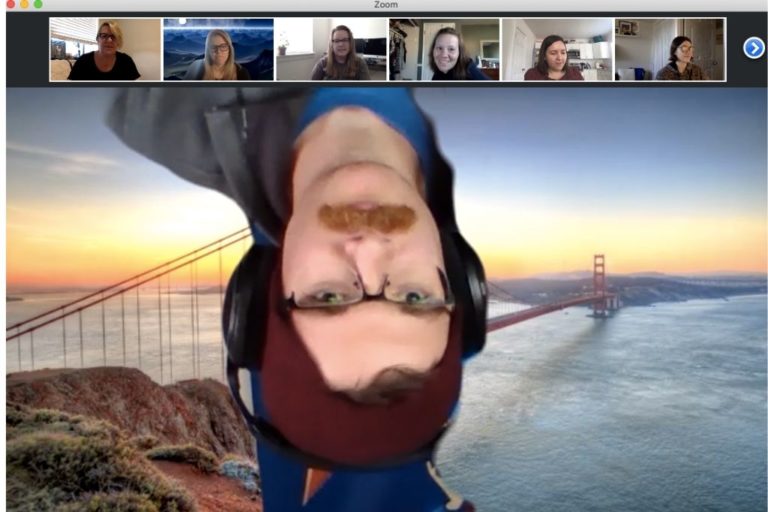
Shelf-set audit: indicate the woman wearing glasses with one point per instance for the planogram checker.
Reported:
(219, 61)
(341, 61)
(681, 66)
(106, 63)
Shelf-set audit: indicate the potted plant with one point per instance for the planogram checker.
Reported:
(282, 44)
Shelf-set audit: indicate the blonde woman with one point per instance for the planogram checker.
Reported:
(219, 62)
(106, 63)
(341, 62)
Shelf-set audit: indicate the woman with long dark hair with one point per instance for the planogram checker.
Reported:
(681, 66)
(341, 61)
(448, 58)
(552, 63)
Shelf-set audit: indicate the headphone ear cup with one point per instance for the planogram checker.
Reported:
(245, 309)
(467, 278)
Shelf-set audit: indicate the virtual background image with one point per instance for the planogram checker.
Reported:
(184, 43)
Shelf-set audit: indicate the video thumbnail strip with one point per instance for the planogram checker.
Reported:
(484, 50)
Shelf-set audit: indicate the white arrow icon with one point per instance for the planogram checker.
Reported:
(753, 47)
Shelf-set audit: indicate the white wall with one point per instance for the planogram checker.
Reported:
(663, 33)
(299, 67)
(636, 51)
(320, 35)
(362, 28)
(523, 54)
(141, 40)
(295, 67)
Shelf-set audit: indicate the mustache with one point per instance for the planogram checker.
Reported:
(348, 218)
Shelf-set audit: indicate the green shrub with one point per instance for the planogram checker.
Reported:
(54, 460)
(25, 420)
(15, 414)
(203, 459)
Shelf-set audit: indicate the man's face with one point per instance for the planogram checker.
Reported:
(361, 228)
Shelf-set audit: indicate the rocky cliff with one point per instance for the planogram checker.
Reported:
(199, 412)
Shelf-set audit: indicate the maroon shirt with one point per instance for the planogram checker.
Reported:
(571, 73)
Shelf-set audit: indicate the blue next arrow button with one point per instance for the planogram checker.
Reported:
(754, 47)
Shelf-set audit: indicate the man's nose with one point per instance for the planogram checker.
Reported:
(370, 254)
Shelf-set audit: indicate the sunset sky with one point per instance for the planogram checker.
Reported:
(670, 180)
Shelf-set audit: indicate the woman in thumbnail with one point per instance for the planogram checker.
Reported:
(106, 63)
(341, 62)
(553, 62)
(219, 62)
(448, 59)
(680, 65)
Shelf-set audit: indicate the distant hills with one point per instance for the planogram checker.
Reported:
(634, 290)
(585, 274)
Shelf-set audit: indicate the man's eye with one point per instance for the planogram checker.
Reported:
(415, 298)
(328, 297)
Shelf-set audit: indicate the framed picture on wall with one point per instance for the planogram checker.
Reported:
(625, 28)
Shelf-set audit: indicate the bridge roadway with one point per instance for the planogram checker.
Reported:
(502, 321)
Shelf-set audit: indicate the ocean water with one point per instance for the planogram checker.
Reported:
(169, 336)
(656, 409)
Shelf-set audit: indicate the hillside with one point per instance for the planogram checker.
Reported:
(112, 439)
(633, 291)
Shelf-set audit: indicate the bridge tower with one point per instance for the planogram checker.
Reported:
(599, 308)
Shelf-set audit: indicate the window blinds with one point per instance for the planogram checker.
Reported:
(77, 29)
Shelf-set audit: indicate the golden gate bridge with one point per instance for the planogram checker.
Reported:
(166, 322)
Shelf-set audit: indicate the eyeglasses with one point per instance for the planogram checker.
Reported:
(340, 41)
(221, 48)
(105, 37)
(686, 49)
(342, 295)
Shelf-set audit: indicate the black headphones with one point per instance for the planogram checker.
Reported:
(244, 319)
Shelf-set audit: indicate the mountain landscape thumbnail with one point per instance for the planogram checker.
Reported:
(254, 50)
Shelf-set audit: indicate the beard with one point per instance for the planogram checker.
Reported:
(386, 219)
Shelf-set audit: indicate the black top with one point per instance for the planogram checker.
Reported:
(196, 71)
(473, 73)
(85, 69)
